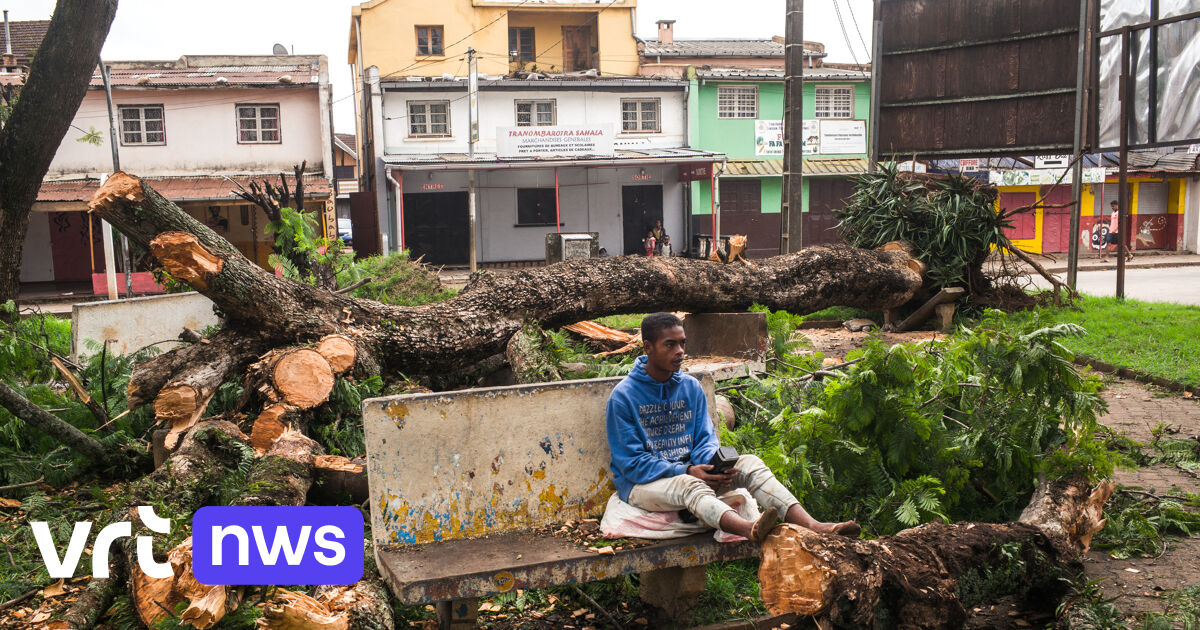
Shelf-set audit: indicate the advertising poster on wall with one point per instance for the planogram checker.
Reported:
(575, 141)
(768, 137)
(843, 136)
(812, 137)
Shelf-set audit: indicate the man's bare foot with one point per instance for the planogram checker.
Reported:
(849, 529)
(763, 526)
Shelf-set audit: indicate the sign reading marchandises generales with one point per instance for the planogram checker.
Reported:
(530, 142)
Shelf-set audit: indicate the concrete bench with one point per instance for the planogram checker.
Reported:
(463, 485)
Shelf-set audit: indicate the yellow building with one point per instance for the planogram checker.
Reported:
(421, 38)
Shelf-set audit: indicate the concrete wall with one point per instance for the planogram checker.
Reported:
(201, 133)
(136, 323)
(467, 463)
(589, 201)
(497, 109)
(37, 260)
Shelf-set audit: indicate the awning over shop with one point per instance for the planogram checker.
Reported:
(490, 161)
(812, 166)
(207, 188)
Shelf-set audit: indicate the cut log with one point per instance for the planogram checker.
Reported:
(268, 426)
(303, 378)
(339, 351)
(946, 295)
(297, 611)
(913, 576)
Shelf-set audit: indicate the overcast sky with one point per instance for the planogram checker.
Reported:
(162, 29)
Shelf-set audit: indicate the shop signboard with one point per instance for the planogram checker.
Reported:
(768, 137)
(565, 141)
(843, 136)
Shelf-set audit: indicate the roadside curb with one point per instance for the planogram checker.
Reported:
(1136, 375)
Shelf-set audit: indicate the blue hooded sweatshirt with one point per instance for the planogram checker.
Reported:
(657, 430)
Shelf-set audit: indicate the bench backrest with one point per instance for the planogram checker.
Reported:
(473, 462)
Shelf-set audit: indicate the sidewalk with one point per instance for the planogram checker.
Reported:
(1140, 584)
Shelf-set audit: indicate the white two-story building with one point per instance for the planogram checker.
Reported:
(193, 129)
(605, 155)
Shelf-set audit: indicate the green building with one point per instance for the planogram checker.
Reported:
(739, 112)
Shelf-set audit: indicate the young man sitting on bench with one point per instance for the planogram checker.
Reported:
(662, 442)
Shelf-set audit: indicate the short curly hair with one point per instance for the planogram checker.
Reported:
(655, 323)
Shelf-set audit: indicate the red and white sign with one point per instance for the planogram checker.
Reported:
(432, 186)
(968, 165)
(643, 177)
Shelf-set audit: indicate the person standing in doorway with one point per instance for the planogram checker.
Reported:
(650, 244)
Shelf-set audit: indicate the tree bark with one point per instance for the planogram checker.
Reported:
(91, 602)
(52, 425)
(478, 323)
(57, 82)
(911, 580)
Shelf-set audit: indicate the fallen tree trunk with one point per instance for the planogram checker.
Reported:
(479, 321)
(911, 580)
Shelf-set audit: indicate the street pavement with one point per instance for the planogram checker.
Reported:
(1173, 284)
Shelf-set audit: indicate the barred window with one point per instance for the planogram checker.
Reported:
(536, 113)
(737, 101)
(640, 115)
(429, 118)
(258, 123)
(142, 124)
(835, 101)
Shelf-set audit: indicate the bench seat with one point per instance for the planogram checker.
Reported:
(481, 567)
(478, 567)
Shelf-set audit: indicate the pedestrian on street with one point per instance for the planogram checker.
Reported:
(1114, 237)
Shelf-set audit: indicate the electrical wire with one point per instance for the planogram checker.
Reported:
(858, 30)
(845, 34)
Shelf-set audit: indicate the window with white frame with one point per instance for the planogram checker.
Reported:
(142, 124)
(640, 115)
(258, 123)
(536, 113)
(835, 101)
(737, 101)
(428, 118)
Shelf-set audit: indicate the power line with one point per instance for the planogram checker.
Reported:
(845, 34)
(858, 30)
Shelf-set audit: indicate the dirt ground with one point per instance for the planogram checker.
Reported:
(836, 342)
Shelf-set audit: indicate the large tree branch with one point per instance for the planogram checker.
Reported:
(57, 82)
(479, 321)
(52, 425)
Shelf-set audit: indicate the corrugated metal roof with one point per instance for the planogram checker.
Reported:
(812, 166)
(178, 188)
(777, 74)
(716, 48)
(1179, 162)
(837, 166)
(753, 168)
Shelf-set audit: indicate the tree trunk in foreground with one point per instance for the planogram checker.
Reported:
(911, 580)
(58, 80)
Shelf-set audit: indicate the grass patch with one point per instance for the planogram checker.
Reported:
(623, 322)
(1154, 337)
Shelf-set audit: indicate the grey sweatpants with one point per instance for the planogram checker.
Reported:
(671, 494)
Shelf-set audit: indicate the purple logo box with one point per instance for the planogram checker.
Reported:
(277, 545)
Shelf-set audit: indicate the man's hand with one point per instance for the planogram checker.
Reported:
(714, 480)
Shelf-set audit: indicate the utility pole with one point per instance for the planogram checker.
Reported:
(1085, 40)
(791, 220)
(110, 263)
(473, 131)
